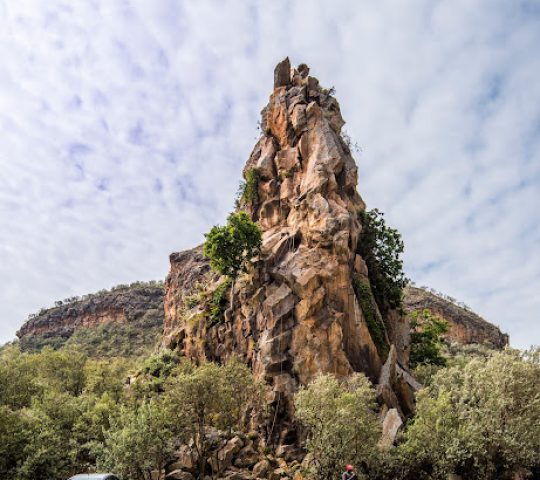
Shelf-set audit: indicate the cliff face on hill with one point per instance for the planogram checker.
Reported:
(296, 313)
(466, 327)
(138, 308)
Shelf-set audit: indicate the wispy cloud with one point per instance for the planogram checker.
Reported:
(126, 124)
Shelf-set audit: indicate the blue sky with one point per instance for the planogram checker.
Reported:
(125, 126)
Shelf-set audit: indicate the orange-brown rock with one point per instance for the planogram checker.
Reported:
(465, 326)
(295, 315)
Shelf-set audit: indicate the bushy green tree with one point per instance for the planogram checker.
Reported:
(139, 442)
(54, 407)
(16, 430)
(342, 425)
(62, 370)
(381, 248)
(480, 420)
(211, 396)
(154, 372)
(18, 379)
(426, 339)
(52, 451)
(230, 248)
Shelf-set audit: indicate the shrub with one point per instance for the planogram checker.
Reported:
(248, 189)
(192, 301)
(342, 426)
(219, 301)
(139, 441)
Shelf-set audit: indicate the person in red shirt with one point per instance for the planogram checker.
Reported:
(349, 474)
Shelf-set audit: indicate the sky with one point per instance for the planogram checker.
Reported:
(125, 126)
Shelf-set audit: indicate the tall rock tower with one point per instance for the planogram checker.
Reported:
(296, 314)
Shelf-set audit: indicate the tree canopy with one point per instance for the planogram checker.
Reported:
(230, 248)
(342, 425)
(479, 420)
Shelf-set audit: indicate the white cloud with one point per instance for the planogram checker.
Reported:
(126, 125)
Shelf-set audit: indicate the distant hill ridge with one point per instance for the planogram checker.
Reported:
(124, 321)
(466, 327)
(134, 313)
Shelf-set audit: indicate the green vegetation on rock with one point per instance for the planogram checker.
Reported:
(132, 339)
(219, 301)
(426, 339)
(133, 329)
(248, 189)
(232, 247)
(375, 326)
(381, 247)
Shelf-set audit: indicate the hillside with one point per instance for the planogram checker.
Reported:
(124, 321)
(466, 327)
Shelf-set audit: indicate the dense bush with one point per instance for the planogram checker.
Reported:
(479, 420)
(54, 407)
(381, 248)
(341, 422)
(139, 441)
(62, 412)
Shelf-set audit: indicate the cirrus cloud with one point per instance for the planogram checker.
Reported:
(126, 124)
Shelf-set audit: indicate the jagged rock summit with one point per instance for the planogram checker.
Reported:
(295, 315)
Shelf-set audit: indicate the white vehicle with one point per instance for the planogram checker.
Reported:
(95, 476)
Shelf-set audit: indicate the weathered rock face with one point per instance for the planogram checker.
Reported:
(466, 327)
(296, 314)
(189, 272)
(122, 305)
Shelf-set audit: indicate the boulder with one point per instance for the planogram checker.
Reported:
(391, 424)
(282, 73)
(289, 453)
(246, 458)
(227, 453)
(387, 381)
(179, 475)
(186, 459)
(261, 468)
